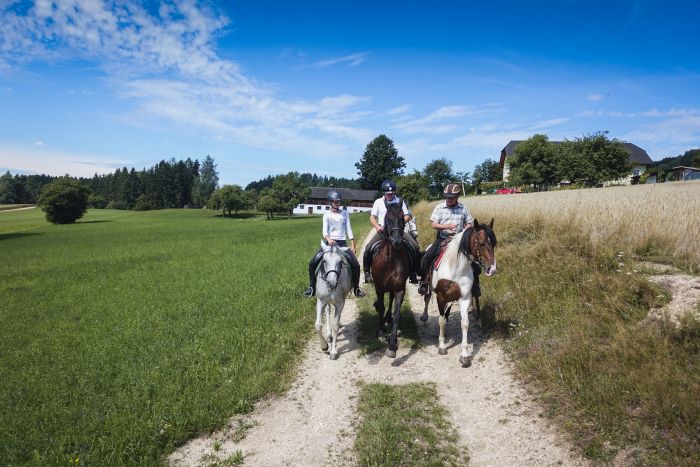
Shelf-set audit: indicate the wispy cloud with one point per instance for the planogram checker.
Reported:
(351, 60)
(595, 97)
(42, 161)
(672, 112)
(430, 123)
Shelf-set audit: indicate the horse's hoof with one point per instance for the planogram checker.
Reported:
(334, 356)
(391, 353)
(324, 347)
(424, 317)
(465, 361)
(442, 351)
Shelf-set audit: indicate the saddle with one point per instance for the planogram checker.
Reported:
(438, 259)
(413, 254)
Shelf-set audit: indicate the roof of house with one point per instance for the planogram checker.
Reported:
(347, 193)
(685, 167)
(637, 154)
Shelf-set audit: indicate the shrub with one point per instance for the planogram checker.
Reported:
(97, 201)
(64, 200)
(118, 204)
(143, 203)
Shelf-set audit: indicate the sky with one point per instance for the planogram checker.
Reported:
(89, 86)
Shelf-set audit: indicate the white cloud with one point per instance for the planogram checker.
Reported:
(595, 97)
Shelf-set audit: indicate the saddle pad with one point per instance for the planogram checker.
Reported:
(441, 253)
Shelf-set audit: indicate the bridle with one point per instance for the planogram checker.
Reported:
(478, 257)
(337, 271)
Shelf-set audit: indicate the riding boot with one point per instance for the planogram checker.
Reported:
(476, 288)
(355, 275)
(313, 264)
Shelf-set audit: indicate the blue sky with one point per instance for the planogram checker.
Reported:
(269, 87)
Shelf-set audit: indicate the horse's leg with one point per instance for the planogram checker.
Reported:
(465, 357)
(478, 311)
(426, 299)
(387, 314)
(442, 320)
(336, 326)
(379, 306)
(393, 338)
(328, 323)
(319, 324)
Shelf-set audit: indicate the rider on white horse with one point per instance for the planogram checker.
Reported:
(448, 218)
(336, 227)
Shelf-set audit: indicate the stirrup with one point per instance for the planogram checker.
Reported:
(308, 293)
(359, 292)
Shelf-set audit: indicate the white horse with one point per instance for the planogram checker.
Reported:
(333, 282)
(454, 277)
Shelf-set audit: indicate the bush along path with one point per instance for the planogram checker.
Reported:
(315, 423)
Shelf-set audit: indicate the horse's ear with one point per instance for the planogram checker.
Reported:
(325, 247)
(491, 223)
(476, 224)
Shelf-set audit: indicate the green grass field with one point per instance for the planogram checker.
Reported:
(129, 332)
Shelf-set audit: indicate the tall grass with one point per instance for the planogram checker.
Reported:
(129, 332)
(571, 307)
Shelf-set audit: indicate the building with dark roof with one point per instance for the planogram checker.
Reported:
(638, 157)
(353, 200)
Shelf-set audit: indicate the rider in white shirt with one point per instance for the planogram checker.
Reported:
(376, 218)
(336, 227)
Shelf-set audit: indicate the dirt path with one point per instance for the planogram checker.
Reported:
(313, 424)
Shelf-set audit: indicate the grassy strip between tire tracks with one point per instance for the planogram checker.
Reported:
(405, 425)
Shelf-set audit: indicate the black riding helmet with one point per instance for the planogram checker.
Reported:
(388, 186)
(334, 196)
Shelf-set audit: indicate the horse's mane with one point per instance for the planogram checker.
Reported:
(464, 241)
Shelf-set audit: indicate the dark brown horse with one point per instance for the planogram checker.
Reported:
(453, 279)
(390, 270)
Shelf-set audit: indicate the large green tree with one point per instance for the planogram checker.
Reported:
(379, 162)
(230, 199)
(593, 159)
(534, 163)
(439, 173)
(487, 171)
(413, 187)
(289, 190)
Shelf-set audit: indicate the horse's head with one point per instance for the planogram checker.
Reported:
(331, 266)
(482, 243)
(394, 224)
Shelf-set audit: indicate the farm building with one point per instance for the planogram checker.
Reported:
(353, 200)
(682, 173)
(638, 157)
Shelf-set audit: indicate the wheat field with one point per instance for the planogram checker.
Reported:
(666, 215)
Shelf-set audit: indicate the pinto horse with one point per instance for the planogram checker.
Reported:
(453, 279)
(333, 282)
(391, 267)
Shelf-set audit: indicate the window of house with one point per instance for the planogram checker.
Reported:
(318, 208)
(635, 172)
(327, 208)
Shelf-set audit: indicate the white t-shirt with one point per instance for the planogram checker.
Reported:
(337, 225)
(379, 209)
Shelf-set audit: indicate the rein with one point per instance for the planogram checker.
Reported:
(325, 274)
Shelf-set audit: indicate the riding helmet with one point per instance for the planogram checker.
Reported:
(388, 186)
(452, 190)
(334, 196)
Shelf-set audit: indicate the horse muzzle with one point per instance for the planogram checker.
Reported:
(491, 270)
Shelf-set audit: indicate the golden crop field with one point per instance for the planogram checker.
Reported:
(664, 214)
